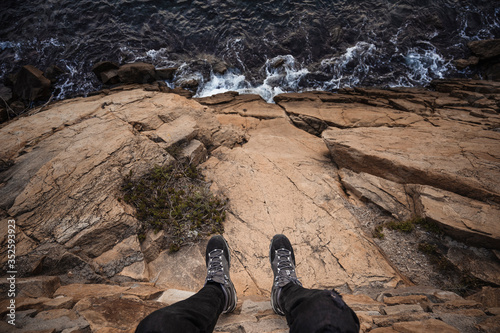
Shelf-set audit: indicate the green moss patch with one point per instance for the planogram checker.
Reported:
(177, 199)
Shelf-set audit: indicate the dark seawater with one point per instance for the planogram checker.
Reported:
(268, 46)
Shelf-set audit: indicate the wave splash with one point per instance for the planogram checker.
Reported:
(355, 67)
(267, 48)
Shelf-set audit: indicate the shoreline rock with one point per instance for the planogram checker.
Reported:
(309, 166)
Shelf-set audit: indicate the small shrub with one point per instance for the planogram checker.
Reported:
(378, 232)
(427, 248)
(405, 226)
(174, 198)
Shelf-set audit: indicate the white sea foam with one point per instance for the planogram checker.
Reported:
(283, 74)
(425, 64)
(350, 68)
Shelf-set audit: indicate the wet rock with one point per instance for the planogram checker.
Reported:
(138, 72)
(219, 67)
(53, 72)
(166, 73)
(178, 91)
(464, 63)
(31, 85)
(218, 98)
(191, 84)
(102, 67)
(110, 77)
(485, 49)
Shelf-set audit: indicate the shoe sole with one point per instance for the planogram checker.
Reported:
(229, 265)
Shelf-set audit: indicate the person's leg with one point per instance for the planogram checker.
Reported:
(306, 310)
(200, 312)
(312, 310)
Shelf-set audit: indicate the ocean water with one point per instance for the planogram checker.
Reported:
(268, 47)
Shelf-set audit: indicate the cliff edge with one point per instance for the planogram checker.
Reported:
(326, 169)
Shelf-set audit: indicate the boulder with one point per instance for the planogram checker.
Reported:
(166, 73)
(31, 85)
(191, 84)
(103, 67)
(485, 49)
(110, 77)
(222, 98)
(138, 72)
(464, 63)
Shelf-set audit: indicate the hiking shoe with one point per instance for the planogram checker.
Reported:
(218, 262)
(283, 265)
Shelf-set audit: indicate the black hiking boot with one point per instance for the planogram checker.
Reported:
(283, 265)
(218, 263)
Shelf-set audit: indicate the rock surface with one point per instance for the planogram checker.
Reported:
(307, 166)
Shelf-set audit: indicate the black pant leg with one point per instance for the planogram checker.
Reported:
(197, 314)
(312, 310)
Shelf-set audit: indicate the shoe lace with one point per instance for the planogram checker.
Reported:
(215, 268)
(286, 269)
